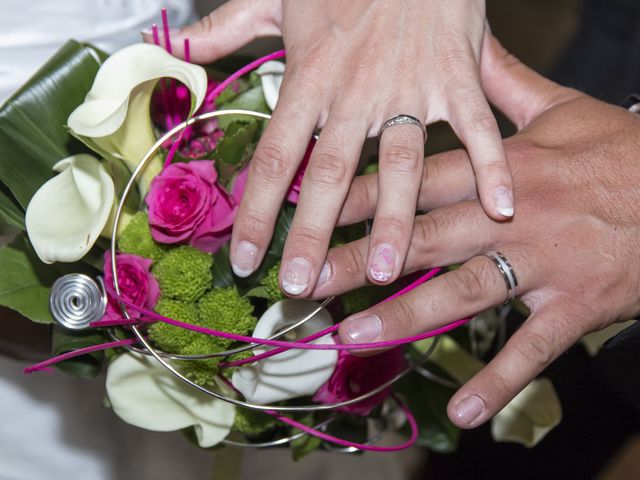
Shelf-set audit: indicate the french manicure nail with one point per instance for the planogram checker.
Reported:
(325, 273)
(363, 329)
(504, 202)
(469, 409)
(243, 260)
(383, 262)
(146, 31)
(296, 276)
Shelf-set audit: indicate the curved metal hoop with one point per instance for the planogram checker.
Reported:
(159, 355)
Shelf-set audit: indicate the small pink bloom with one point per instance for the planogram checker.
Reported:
(294, 189)
(355, 376)
(136, 283)
(180, 199)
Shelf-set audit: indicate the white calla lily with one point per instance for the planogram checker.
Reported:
(271, 74)
(143, 393)
(527, 419)
(593, 342)
(67, 214)
(532, 414)
(294, 373)
(114, 119)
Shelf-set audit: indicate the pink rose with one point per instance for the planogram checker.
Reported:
(136, 283)
(179, 199)
(355, 376)
(294, 189)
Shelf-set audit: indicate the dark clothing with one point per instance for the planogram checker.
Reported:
(603, 59)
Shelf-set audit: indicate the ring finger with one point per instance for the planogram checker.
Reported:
(400, 175)
(474, 287)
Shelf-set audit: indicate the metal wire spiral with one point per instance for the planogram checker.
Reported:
(77, 300)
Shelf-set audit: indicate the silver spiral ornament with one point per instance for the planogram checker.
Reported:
(76, 301)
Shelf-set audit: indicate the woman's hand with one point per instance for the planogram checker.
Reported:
(574, 246)
(352, 65)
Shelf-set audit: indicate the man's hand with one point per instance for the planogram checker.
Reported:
(574, 245)
(352, 65)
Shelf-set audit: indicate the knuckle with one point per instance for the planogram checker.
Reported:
(308, 237)
(254, 223)
(425, 230)
(403, 158)
(271, 162)
(352, 261)
(329, 168)
(400, 320)
(481, 122)
(392, 226)
(535, 347)
(468, 284)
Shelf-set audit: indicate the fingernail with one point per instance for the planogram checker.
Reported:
(363, 329)
(383, 262)
(146, 31)
(243, 261)
(504, 202)
(469, 409)
(325, 273)
(296, 276)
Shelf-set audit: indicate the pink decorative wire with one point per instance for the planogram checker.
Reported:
(236, 363)
(44, 366)
(360, 446)
(243, 71)
(287, 344)
(281, 345)
(165, 31)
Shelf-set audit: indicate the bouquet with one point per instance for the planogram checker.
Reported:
(120, 177)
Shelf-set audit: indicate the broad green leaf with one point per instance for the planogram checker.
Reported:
(300, 447)
(33, 136)
(235, 149)
(274, 253)
(10, 212)
(25, 282)
(85, 366)
(252, 99)
(221, 269)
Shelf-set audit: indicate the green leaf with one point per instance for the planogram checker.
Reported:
(252, 99)
(258, 292)
(235, 149)
(32, 133)
(221, 269)
(10, 211)
(25, 282)
(428, 402)
(85, 366)
(274, 253)
(300, 447)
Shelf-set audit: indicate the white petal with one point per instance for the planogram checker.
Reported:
(142, 393)
(532, 414)
(271, 74)
(594, 341)
(115, 120)
(66, 215)
(105, 107)
(294, 373)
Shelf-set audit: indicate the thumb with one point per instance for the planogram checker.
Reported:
(515, 89)
(229, 27)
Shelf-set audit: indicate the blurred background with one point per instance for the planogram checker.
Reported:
(61, 432)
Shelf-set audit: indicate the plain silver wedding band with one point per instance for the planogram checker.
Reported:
(403, 120)
(505, 269)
